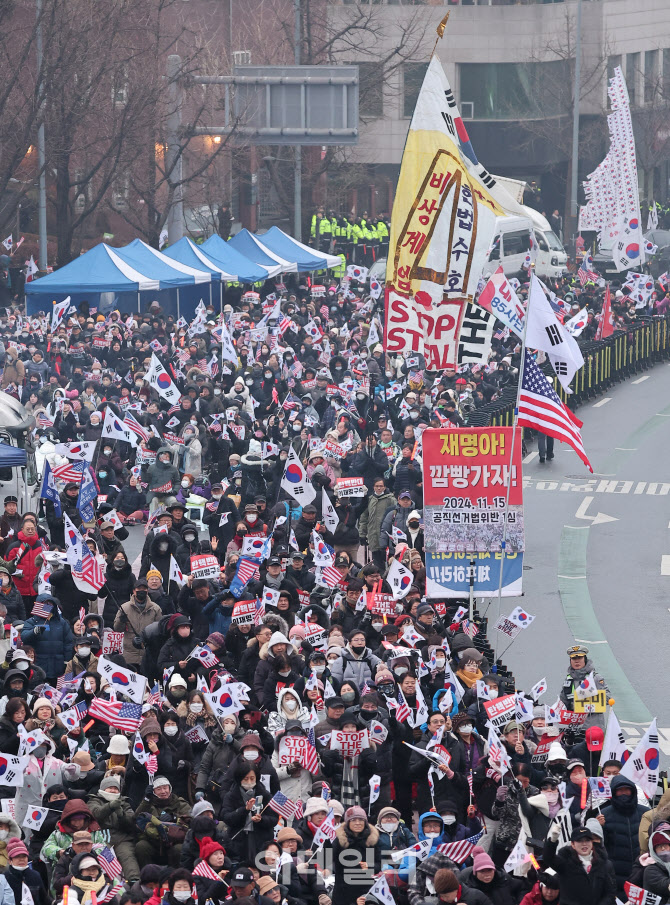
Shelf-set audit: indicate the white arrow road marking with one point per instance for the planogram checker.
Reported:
(598, 519)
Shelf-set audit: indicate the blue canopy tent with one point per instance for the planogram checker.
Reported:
(171, 274)
(228, 257)
(12, 456)
(278, 243)
(248, 244)
(187, 252)
(99, 274)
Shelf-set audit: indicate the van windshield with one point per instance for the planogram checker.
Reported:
(553, 241)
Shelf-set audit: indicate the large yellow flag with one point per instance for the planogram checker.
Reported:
(441, 229)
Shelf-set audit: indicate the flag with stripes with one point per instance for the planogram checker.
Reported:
(283, 805)
(88, 569)
(469, 628)
(585, 272)
(70, 472)
(151, 763)
(259, 614)
(155, 697)
(43, 421)
(311, 757)
(109, 863)
(330, 576)
(284, 324)
(542, 410)
(204, 870)
(122, 716)
(134, 425)
(402, 711)
(458, 852)
(42, 609)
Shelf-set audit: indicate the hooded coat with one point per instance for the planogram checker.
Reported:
(161, 474)
(504, 889)
(61, 838)
(216, 760)
(621, 829)
(52, 648)
(266, 662)
(297, 787)
(366, 846)
(158, 557)
(24, 551)
(598, 887)
(352, 668)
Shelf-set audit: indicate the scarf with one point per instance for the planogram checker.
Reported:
(349, 795)
(206, 718)
(470, 678)
(89, 886)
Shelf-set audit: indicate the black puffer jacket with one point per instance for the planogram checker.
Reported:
(598, 887)
(332, 767)
(215, 762)
(502, 890)
(118, 589)
(621, 829)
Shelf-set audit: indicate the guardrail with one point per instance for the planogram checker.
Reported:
(608, 361)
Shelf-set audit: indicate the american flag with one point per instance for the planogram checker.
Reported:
(182, 355)
(173, 409)
(402, 711)
(89, 569)
(109, 863)
(541, 409)
(204, 870)
(469, 628)
(67, 679)
(470, 781)
(502, 334)
(311, 757)
(259, 615)
(291, 402)
(111, 893)
(331, 576)
(284, 806)
(43, 421)
(586, 271)
(122, 716)
(458, 852)
(247, 570)
(151, 763)
(284, 324)
(134, 425)
(324, 311)
(296, 369)
(71, 471)
(214, 505)
(42, 609)
(154, 698)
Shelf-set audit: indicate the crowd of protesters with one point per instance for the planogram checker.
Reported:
(196, 802)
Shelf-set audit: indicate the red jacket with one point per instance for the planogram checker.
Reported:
(24, 553)
(534, 897)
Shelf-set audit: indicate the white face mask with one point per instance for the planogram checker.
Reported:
(84, 651)
(185, 484)
(466, 728)
(196, 708)
(251, 754)
(319, 670)
(248, 786)
(389, 827)
(251, 518)
(449, 819)
(431, 835)
(171, 730)
(183, 895)
(290, 704)
(551, 795)
(4, 834)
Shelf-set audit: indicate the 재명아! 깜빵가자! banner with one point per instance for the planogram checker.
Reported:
(466, 477)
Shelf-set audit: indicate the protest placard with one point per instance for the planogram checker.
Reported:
(205, 566)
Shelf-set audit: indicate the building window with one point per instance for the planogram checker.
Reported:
(650, 76)
(412, 79)
(632, 70)
(666, 75)
(513, 91)
(120, 191)
(120, 88)
(370, 89)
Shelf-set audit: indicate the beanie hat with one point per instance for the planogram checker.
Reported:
(314, 805)
(216, 638)
(354, 812)
(660, 834)
(41, 702)
(15, 847)
(154, 573)
(596, 829)
(338, 808)
(556, 752)
(108, 781)
(201, 807)
(298, 631)
(482, 862)
(388, 812)
(161, 781)
(208, 846)
(538, 712)
(286, 834)
(445, 881)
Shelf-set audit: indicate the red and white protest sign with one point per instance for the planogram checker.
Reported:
(349, 743)
(205, 566)
(383, 604)
(244, 612)
(569, 718)
(543, 746)
(346, 487)
(112, 642)
(315, 635)
(294, 749)
(501, 710)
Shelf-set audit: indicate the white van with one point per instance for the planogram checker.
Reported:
(511, 243)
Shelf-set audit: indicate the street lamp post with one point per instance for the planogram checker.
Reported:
(574, 165)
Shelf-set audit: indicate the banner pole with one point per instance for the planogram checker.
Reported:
(511, 461)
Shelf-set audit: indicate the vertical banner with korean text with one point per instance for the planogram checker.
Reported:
(466, 476)
(441, 227)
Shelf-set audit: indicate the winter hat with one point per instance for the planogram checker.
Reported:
(660, 834)
(298, 631)
(482, 862)
(596, 829)
(337, 807)
(154, 573)
(15, 847)
(42, 702)
(549, 878)
(286, 834)
(208, 846)
(469, 653)
(201, 807)
(216, 638)
(176, 679)
(354, 812)
(150, 726)
(556, 752)
(538, 712)
(445, 881)
(81, 836)
(108, 781)
(118, 744)
(314, 805)
(251, 739)
(388, 812)
(161, 781)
